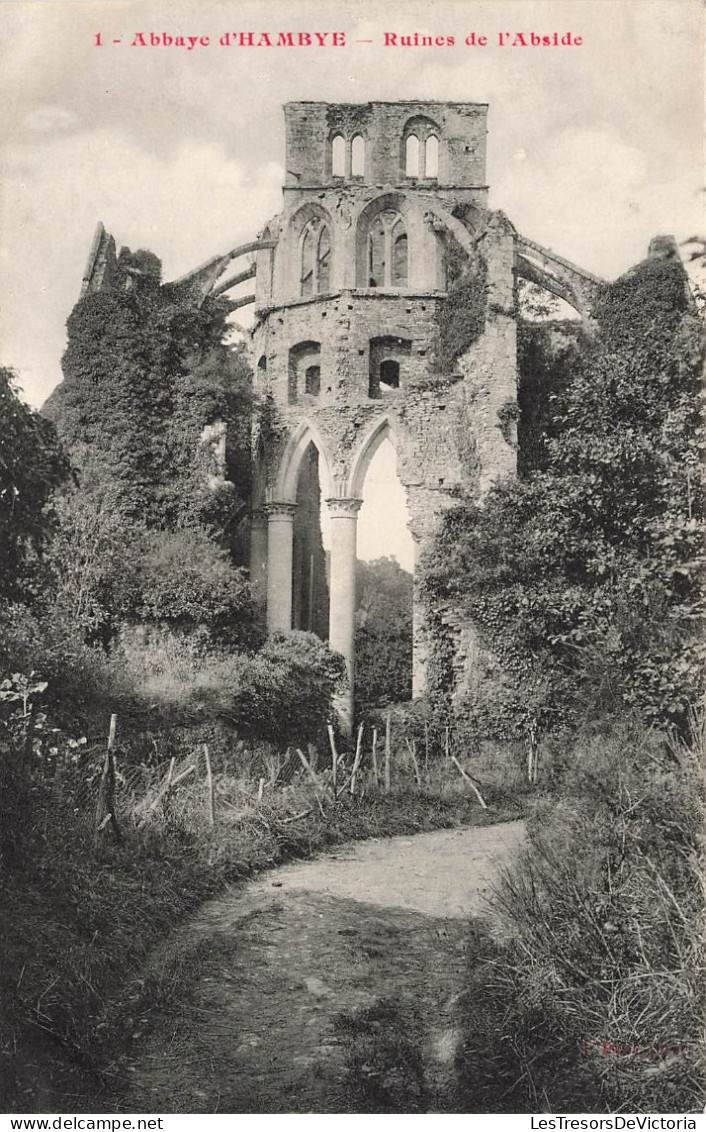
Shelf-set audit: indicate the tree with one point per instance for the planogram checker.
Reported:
(146, 371)
(584, 576)
(32, 465)
(383, 642)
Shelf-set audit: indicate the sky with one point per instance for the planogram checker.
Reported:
(592, 150)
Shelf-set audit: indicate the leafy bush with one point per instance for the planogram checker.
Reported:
(85, 685)
(32, 465)
(585, 576)
(383, 639)
(595, 1001)
(183, 582)
(283, 693)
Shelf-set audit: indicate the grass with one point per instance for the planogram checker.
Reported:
(79, 923)
(592, 999)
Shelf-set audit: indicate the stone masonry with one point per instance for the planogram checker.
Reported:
(384, 307)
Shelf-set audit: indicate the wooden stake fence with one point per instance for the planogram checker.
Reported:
(387, 753)
(470, 782)
(411, 747)
(209, 786)
(334, 757)
(356, 760)
(105, 806)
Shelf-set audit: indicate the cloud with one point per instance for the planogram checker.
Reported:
(182, 153)
(50, 119)
(185, 207)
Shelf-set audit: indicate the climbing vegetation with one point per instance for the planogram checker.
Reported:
(584, 576)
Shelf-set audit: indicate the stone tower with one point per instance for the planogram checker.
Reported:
(384, 307)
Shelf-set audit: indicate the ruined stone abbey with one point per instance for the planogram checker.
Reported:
(385, 306)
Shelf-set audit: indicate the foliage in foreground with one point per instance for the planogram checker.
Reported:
(594, 1002)
(383, 639)
(145, 371)
(79, 921)
(584, 577)
(32, 465)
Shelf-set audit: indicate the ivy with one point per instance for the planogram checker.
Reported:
(461, 315)
(32, 465)
(145, 371)
(584, 576)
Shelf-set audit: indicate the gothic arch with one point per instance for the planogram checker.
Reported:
(383, 429)
(421, 129)
(312, 218)
(291, 462)
(390, 213)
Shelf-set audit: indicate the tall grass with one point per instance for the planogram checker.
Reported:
(78, 922)
(592, 997)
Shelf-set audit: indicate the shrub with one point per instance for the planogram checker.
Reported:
(185, 583)
(595, 1001)
(283, 693)
(31, 467)
(584, 577)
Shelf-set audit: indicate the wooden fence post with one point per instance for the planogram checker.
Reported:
(375, 756)
(105, 806)
(411, 747)
(470, 782)
(209, 785)
(356, 760)
(387, 753)
(334, 757)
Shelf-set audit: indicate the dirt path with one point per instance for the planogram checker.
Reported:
(328, 986)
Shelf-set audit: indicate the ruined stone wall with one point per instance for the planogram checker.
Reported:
(448, 417)
(310, 126)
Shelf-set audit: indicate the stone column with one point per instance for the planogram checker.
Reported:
(280, 521)
(258, 555)
(344, 538)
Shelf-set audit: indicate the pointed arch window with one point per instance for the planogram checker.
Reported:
(338, 156)
(357, 156)
(387, 251)
(412, 156)
(315, 258)
(431, 157)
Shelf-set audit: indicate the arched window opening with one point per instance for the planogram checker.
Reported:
(412, 156)
(304, 359)
(385, 552)
(357, 156)
(310, 598)
(315, 258)
(323, 261)
(307, 279)
(389, 375)
(312, 380)
(386, 358)
(387, 251)
(338, 156)
(431, 163)
(376, 254)
(399, 258)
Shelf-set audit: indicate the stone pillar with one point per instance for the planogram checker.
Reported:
(258, 555)
(280, 521)
(344, 539)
